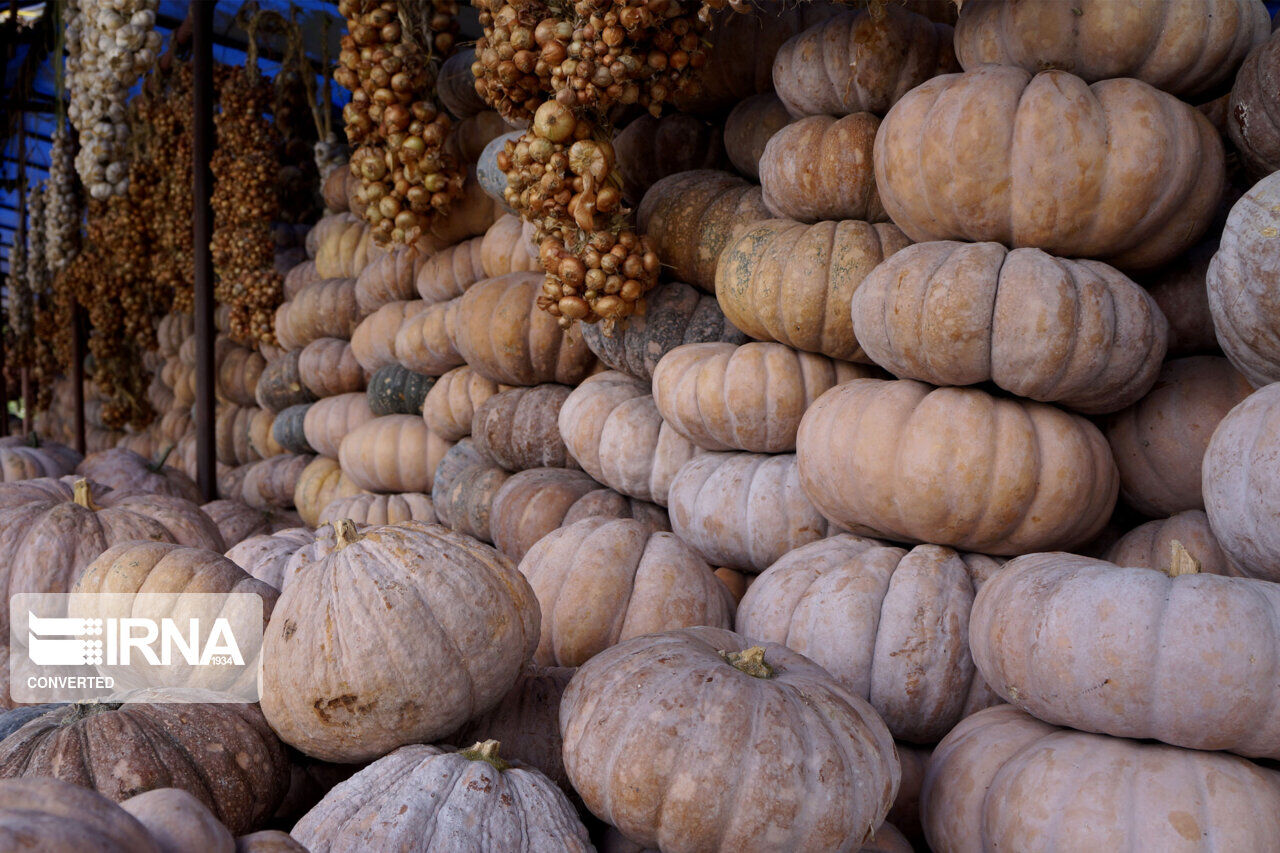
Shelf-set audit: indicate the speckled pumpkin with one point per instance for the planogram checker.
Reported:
(327, 367)
(328, 421)
(178, 821)
(451, 403)
(379, 509)
(396, 390)
(321, 483)
(819, 168)
(424, 342)
(1253, 119)
(649, 148)
(518, 428)
(52, 815)
(1151, 545)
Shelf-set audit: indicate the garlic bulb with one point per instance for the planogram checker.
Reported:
(62, 214)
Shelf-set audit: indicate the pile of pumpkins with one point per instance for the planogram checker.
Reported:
(930, 504)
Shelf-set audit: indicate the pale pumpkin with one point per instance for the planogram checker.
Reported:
(179, 822)
(1185, 47)
(650, 147)
(233, 434)
(784, 281)
(298, 277)
(463, 488)
(518, 428)
(1241, 282)
(19, 462)
(1159, 442)
(743, 510)
(324, 309)
(819, 168)
(321, 483)
(265, 556)
(612, 427)
(379, 509)
(373, 341)
(390, 278)
(645, 703)
(1252, 117)
(858, 62)
(272, 482)
(504, 249)
(530, 504)
(420, 798)
(602, 581)
(52, 815)
(237, 521)
(749, 397)
(1046, 636)
(1050, 329)
(1116, 171)
(675, 314)
(394, 453)
(330, 420)
(441, 657)
(238, 373)
(748, 128)
(126, 471)
(1002, 780)
(1151, 545)
(345, 246)
(1179, 289)
(451, 403)
(502, 334)
(333, 188)
(171, 330)
(891, 625)
(268, 841)
(955, 466)
(424, 341)
(327, 367)
(691, 216)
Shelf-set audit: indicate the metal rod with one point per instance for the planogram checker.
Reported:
(77, 373)
(25, 379)
(202, 232)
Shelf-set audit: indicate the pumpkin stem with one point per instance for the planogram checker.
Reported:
(1181, 562)
(486, 751)
(750, 661)
(157, 466)
(33, 439)
(344, 530)
(80, 494)
(80, 710)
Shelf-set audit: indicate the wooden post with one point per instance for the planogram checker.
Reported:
(77, 372)
(202, 227)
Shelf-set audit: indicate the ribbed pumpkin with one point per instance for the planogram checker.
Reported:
(602, 581)
(1179, 289)
(49, 814)
(891, 625)
(396, 390)
(373, 341)
(749, 397)
(743, 510)
(452, 401)
(390, 278)
(1151, 545)
(1185, 47)
(819, 168)
(298, 277)
(19, 462)
(748, 128)
(955, 466)
(1253, 120)
(695, 707)
(265, 556)
(237, 521)
(287, 431)
(519, 428)
(443, 658)
(126, 471)
(1076, 332)
(424, 341)
(281, 386)
(172, 330)
(792, 283)
(1002, 780)
(345, 246)
(1048, 161)
(233, 432)
(429, 794)
(448, 273)
(612, 427)
(1159, 442)
(223, 754)
(238, 373)
(320, 484)
(463, 489)
(675, 314)
(457, 85)
(649, 148)
(328, 421)
(856, 62)
(272, 482)
(324, 309)
(327, 367)
(1167, 666)
(690, 216)
(178, 821)
(502, 334)
(393, 453)
(1241, 284)
(379, 509)
(504, 249)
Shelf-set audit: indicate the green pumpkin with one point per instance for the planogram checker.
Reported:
(287, 429)
(396, 390)
(280, 385)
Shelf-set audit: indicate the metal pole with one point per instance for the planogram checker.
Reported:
(202, 228)
(23, 378)
(77, 373)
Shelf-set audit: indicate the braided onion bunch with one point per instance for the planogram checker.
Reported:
(62, 217)
(19, 303)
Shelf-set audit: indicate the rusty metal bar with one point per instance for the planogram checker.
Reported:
(202, 226)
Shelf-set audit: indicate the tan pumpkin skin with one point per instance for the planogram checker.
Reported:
(1241, 278)
(393, 453)
(743, 510)
(463, 489)
(690, 216)
(26, 463)
(452, 401)
(178, 821)
(389, 279)
(645, 755)
(749, 397)
(272, 482)
(1150, 545)
(1046, 635)
(503, 249)
(321, 483)
(649, 148)
(1055, 330)
(1159, 442)
(324, 309)
(265, 556)
(448, 273)
(1179, 289)
(223, 754)
(602, 581)
(422, 796)
(531, 504)
(851, 63)
(461, 656)
(232, 435)
(424, 341)
(747, 130)
(1185, 47)
(344, 246)
(1005, 781)
(126, 471)
(886, 839)
(373, 341)
(172, 330)
(518, 428)
(268, 841)
(298, 277)
(328, 367)
(379, 509)
(330, 420)
(890, 625)
(612, 427)
(784, 281)
(819, 168)
(956, 466)
(1241, 494)
(1116, 171)
(262, 436)
(501, 333)
(238, 373)
(1252, 119)
(237, 521)
(905, 814)
(49, 814)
